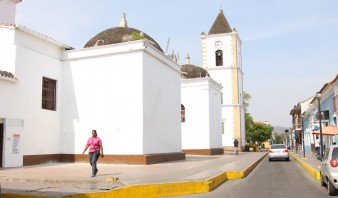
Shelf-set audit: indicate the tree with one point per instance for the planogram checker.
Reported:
(259, 132)
(248, 118)
(255, 132)
(278, 138)
(246, 99)
(248, 123)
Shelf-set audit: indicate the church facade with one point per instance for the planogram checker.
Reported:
(126, 88)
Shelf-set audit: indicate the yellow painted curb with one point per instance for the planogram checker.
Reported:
(164, 189)
(313, 172)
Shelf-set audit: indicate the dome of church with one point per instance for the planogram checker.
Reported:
(120, 34)
(193, 71)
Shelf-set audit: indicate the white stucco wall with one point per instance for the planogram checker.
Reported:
(32, 65)
(202, 126)
(215, 114)
(7, 11)
(129, 93)
(12, 148)
(7, 48)
(195, 99)
(22, 99)
(241, 106)
(224, 76)
(162, 104)
(103, 92)
(228, 119)
(125, 94)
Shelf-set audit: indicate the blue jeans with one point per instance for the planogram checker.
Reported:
(235, 150)
(93, 157)
(318, 150)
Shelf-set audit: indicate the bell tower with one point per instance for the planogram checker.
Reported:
(7, 11)
(221, 57)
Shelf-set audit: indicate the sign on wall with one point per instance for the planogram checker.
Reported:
(324, 115)
(16, 144)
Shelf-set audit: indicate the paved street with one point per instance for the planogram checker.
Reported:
(196, 174)
(277, 179)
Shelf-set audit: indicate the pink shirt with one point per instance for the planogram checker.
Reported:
(94, 143)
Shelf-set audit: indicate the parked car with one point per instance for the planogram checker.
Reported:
(278, 151)
(329, 169)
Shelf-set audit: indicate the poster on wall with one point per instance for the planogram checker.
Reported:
(16, 144)
(324, 115)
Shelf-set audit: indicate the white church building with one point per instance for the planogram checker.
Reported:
(52, 96)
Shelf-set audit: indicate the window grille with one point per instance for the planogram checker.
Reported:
(182, 113)
(48, 94)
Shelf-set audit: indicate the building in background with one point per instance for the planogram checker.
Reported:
(297, 125)
(329, 112)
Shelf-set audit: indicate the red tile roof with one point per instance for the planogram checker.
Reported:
(7, 24)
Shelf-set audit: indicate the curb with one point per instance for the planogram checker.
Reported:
(312, 171)
(173, 188)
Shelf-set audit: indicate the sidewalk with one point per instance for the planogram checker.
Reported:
(310, 163)
(196, 174)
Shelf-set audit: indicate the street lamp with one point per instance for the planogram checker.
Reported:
(318, 96)
(292, 140)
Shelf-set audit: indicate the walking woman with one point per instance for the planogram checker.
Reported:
(95, 150)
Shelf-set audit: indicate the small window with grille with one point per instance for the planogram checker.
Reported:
(48, 94)
(182, 113)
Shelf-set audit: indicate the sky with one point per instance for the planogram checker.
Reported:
(289, 48)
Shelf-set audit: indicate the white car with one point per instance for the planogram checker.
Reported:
(278, 151)
(329, 169)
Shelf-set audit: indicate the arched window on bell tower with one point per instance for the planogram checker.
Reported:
(219, 58)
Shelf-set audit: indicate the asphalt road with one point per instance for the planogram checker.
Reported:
(276, 179)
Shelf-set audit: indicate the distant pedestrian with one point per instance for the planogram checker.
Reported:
(235, 147)
(246, 148)
(95, 150)
(317, 146)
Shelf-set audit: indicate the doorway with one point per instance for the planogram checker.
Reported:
(1, 142)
